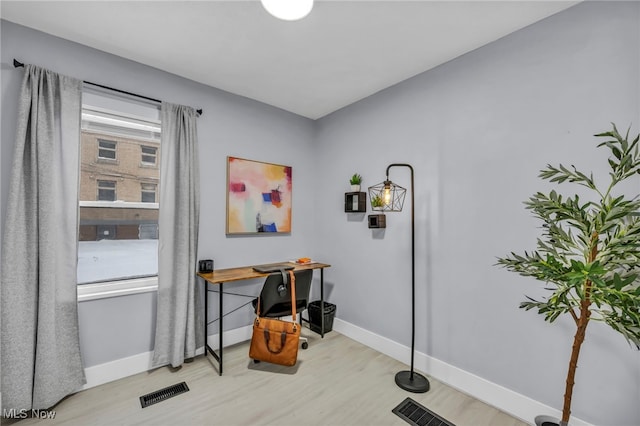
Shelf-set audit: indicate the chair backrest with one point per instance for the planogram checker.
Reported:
(275, 297)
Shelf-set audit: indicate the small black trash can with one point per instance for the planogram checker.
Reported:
(315, 320)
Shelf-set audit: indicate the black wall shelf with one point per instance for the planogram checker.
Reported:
(355, 202)
(377, 221)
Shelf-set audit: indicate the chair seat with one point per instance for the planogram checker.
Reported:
(280, 309)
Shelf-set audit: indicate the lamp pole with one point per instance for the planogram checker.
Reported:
(410, 380)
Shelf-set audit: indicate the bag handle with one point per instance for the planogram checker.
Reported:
(283, 339)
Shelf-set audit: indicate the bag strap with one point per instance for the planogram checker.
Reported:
(258, 309)
(293, 295)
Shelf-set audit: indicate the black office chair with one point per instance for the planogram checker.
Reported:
(275, 297)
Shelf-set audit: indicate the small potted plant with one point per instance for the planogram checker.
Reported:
(355, 182)
(376, 202)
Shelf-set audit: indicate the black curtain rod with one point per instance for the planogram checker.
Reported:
(17, 64)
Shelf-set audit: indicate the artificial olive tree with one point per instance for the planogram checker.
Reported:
(589, 252)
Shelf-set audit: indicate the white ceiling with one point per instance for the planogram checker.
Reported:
(342, 52)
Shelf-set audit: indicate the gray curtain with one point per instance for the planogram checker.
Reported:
(40, 353)
(179, 325)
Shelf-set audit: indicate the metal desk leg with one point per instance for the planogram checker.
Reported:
(322, 302)
(220, 331)
(207, 348)
(206, 317)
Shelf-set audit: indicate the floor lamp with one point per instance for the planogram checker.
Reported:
(387, 196)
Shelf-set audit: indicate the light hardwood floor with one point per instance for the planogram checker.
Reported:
(337, 381)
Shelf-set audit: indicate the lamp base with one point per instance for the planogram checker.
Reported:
(419, 383)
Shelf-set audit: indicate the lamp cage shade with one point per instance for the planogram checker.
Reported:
(387, 197)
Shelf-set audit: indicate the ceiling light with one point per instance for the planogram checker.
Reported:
(288, 10)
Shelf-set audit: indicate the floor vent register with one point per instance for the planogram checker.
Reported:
(415, 414)
(163, 394)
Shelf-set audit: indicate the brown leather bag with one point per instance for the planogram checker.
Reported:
(274, 340)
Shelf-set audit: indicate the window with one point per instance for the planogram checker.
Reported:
(106, 190)
(148, 231)
(148, 192)
(106, 232)
(118, 236)
(106, 149)
(149, 155)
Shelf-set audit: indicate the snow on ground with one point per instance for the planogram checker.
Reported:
(107, 260)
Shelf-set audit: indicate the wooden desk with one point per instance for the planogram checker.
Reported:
(220, 276)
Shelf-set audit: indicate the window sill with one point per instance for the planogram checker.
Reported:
(88, 292)
(105, 160)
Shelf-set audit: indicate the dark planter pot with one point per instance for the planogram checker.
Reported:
(549, 421)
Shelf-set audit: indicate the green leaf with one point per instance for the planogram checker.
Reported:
(573, 233)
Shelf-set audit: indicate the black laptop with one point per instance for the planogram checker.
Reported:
(273, 267)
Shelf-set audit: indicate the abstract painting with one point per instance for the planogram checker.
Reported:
(258, 197)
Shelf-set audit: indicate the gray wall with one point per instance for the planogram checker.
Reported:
(477, 130)
(231, 125)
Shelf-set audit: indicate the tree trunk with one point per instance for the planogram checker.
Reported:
(573, 363)
(583, 321)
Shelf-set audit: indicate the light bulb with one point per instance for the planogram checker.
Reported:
(387, 195)
(288, 10)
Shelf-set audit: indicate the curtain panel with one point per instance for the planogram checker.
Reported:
(40, 355)
(179, 316)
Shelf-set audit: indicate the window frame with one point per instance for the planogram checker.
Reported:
(154, 155)
(98, 188)
(148, 191)
(108, 149)
(117, 288)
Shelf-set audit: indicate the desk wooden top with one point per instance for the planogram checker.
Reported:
(247, 272)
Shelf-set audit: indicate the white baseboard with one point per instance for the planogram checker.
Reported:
(124, 367)
(513, 403)
(118, 369)
(231, 337)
